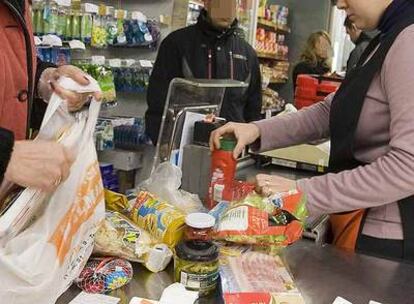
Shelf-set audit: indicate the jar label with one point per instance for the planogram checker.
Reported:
(199, 281)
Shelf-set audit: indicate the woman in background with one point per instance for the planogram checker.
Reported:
(316, 57)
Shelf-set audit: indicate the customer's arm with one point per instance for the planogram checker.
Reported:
(391, 177)
(6, 148)
(253, 109)
(306, 125)
(166, 68)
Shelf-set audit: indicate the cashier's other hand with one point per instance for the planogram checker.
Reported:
(272, 184)
(39, 164)
(48, 84)
(245, 134)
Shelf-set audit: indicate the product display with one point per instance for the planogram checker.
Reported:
(196, 266)
(105, 78)
(254, 277)
(119, 237)
(102, 275)
(264, 221)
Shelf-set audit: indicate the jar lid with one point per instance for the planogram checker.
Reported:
(196, 251)
(227, 143)
(200, 220)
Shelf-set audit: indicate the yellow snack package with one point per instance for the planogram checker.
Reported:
(162, 220)
(116, 201)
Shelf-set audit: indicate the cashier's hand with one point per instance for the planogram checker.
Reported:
(271, 184)
(48, 84)
(39, 164)
(245, 134)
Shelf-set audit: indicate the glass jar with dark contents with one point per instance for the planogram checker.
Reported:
(196, 266)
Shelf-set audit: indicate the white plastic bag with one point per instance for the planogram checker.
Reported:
(44, 252)
(165, 182)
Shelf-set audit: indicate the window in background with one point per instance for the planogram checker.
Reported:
(340, 40)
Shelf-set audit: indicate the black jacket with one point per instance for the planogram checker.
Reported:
(185, 54)
(37, 107)
(360, 45)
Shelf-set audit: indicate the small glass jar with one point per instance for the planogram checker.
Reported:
(199, 227)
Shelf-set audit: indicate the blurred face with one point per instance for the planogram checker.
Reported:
(323, 48)
(353, 33)
(221, 12)
(365, 14)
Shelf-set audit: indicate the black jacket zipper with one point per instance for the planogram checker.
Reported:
(27, 38)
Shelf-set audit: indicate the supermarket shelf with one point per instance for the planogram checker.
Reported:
(272, 26)
(264, 55)
(277, 81)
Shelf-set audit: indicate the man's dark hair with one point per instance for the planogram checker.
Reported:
(348, 23)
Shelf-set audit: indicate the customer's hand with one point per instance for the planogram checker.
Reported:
(245, 134)
(271, 184)
(39, 164)
(48, 84)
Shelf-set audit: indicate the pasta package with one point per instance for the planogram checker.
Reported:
(274, 221)
(117, 236)
(162, 220)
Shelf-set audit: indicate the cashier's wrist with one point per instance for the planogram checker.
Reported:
(44, 88)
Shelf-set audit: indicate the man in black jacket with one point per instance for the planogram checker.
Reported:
(211, 49)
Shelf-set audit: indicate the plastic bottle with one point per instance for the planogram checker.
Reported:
(223, 171)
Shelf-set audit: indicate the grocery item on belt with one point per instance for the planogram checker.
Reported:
(196, 266)
(199, 227)
(256, 220)
(223, 171)
(102, 275)
(254, 277)
(117, 236)
(162, 220)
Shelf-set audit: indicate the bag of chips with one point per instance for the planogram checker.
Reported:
(257, 220)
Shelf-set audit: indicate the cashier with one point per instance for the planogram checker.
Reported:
(369, 190)
(211, 49)
(39, 164)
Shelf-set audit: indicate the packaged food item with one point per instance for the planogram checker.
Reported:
(37, 9)
(110, 25)
(254, 277)
(163, 221)
(264, 221)
(99, 34)
(223, 169)
(61, 56)
(86, 28)
(199, 227)
(120, 38)
(102, 275)
(76, 25)
(50, 17)
(61, 23)
(119, 237)
(196, 266)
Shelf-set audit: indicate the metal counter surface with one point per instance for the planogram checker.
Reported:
(321, 273)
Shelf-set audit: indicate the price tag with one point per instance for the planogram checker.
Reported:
(146, 63)
(115, 63)
(110, 10)
(129, 62)
(120, 14)
(340, 300)
(98, 60)
(77, 44)
(91, 8)
(66, 3)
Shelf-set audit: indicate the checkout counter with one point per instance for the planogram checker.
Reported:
(320, 272)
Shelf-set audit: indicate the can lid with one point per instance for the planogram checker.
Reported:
(200, 220)
(196, 251)
(228, 143)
